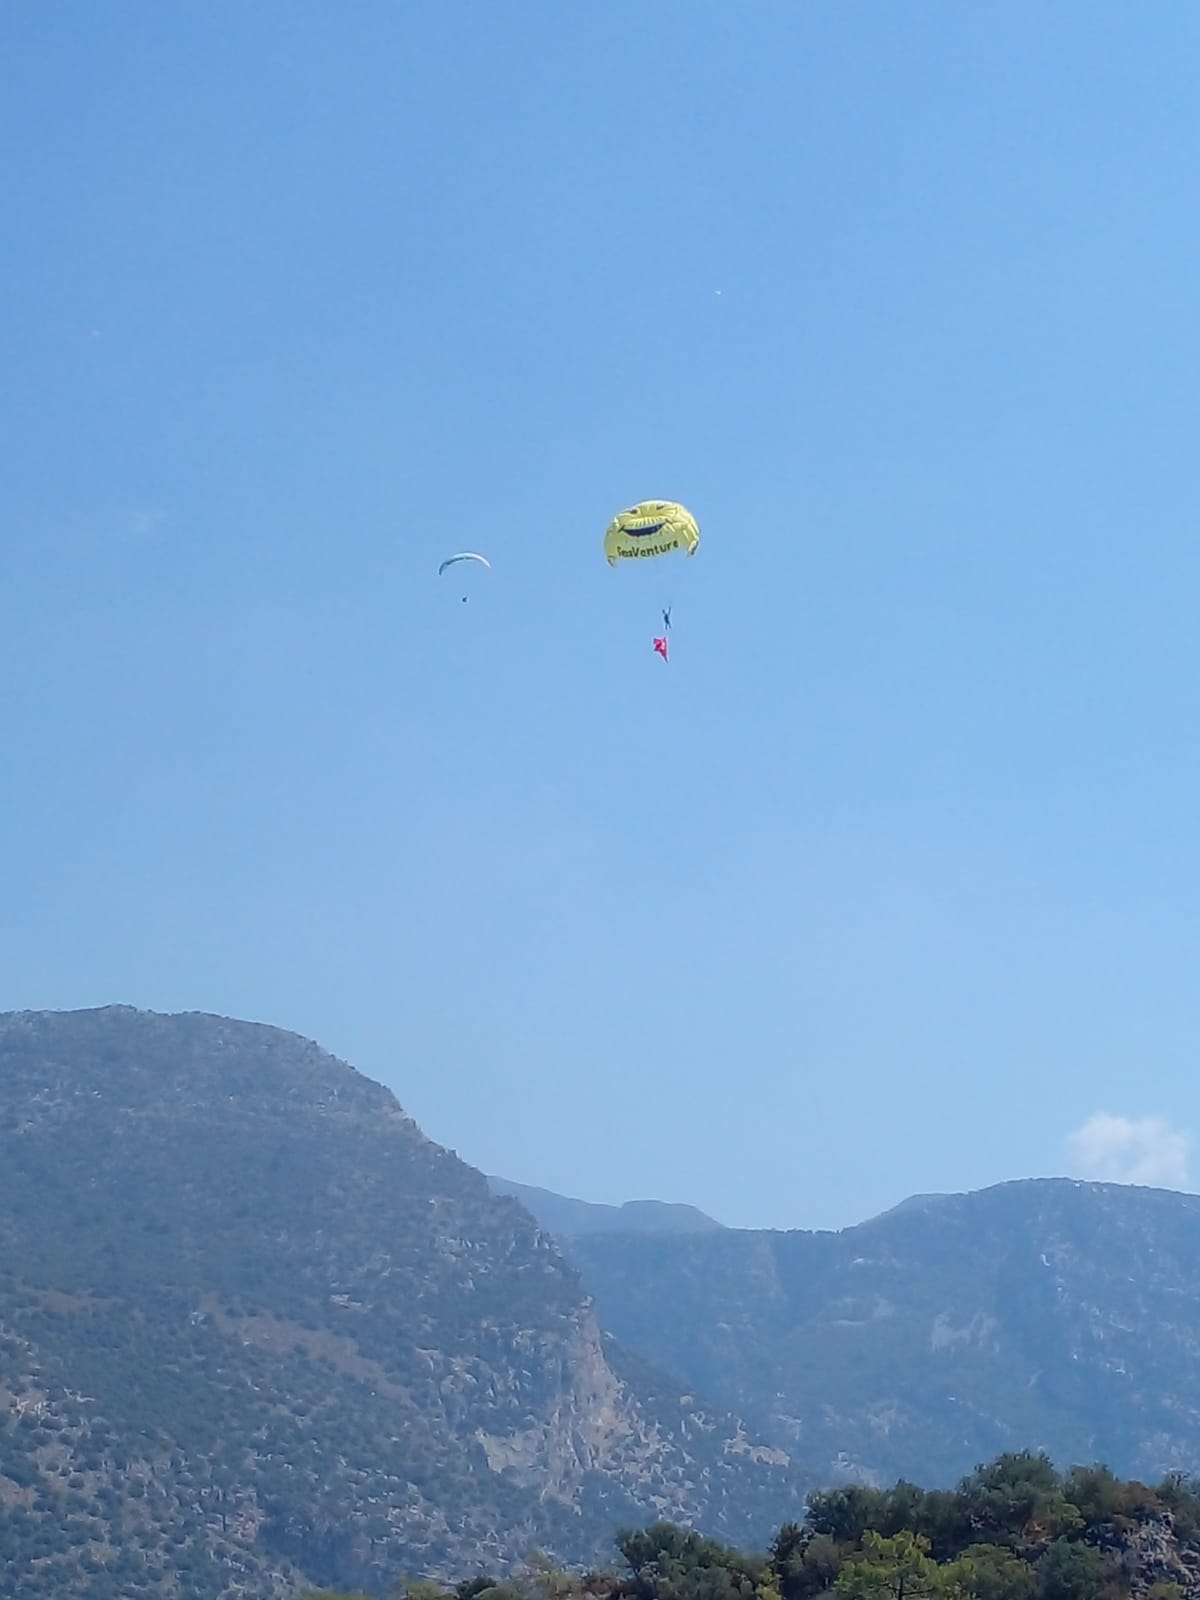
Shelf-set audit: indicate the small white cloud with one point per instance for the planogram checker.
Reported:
(1131, 1150)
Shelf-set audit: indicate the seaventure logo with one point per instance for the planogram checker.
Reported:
(649, 549)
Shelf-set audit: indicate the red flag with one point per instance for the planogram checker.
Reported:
(661, 646)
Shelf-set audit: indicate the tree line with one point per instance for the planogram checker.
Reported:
(1014, 1529)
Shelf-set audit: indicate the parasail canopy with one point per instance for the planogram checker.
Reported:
(464, 555)
(651, 528)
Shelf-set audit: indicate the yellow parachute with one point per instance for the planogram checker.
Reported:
(651, 528)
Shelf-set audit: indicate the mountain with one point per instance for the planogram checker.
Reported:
(567, 1218)
(1047, 1314)
(257, 1331)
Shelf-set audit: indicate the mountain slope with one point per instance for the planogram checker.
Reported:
(1044, 1314)
(567, 1218)
(254, 1325)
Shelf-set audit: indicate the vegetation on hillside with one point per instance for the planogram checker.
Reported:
(256, 1331)
(1044, 1312)
(1015, 1529)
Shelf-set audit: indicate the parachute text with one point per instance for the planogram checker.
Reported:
(648, 550)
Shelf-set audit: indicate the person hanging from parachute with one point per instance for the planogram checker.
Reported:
(650, 529)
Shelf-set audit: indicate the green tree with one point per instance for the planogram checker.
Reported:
(902, 1507)
(1103, 1497)
(1095, 1491)
(804, 1563)
(1017, 1499)
(899, 1567)
(845, 1514)
(1179, 1492)
(493, 1588)
(944, 1519)
(672, 1563)
(992, 1572)
(1069, 1571)
(543, 1580)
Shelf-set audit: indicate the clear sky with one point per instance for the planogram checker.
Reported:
(890, 881)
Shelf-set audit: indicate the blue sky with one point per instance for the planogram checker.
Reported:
(890, 882)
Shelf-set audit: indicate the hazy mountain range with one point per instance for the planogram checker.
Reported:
(1046, 1314)
(570, 1219)
(257, 1330)
(254, 1324)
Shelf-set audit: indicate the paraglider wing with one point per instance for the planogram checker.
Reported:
(464, 555)
(651, 528)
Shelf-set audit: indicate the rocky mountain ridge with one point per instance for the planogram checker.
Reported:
(254, 1326)
(257, 1331)
(1043, 1314)
(568, 1218)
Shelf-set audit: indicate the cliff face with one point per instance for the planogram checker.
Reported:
(235, 1274)
(1044, 1315)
